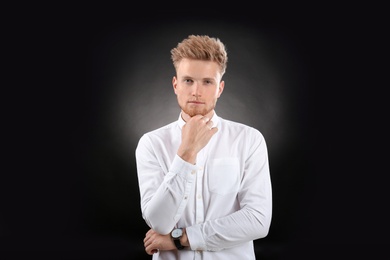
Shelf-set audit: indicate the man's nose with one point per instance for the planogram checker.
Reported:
(195, 89)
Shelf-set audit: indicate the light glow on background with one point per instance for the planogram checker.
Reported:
(258, 81)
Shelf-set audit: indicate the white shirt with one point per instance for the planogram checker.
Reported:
(224, 201)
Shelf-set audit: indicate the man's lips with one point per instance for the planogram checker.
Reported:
(195, 102)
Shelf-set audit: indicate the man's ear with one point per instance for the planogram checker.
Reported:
(221, 87)
(174, 83)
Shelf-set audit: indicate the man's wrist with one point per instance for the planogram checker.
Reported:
(184, 239)
(176, 235)
(190, 158)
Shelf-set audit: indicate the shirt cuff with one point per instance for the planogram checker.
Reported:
(195, 237)
(183, 168)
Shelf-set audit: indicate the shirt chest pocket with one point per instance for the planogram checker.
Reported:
(224, 175)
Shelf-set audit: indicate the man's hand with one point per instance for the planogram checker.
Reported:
(154, 241)
(196, 133)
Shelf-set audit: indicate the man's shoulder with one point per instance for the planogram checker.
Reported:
(239, 128)
(236, 124)
(162, 129)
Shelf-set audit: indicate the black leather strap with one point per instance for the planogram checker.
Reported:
(177, 244)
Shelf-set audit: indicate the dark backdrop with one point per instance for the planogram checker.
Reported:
(95, 87)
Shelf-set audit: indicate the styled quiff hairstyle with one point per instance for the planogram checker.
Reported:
(201, 47)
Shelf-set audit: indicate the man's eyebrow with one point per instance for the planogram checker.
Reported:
(186, 77)
(204, 79)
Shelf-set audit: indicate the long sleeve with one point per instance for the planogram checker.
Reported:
(252, 221)
(164, 191)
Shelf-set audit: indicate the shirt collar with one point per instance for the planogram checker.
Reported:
(215, 120)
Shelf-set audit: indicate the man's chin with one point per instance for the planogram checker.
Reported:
(193, 113)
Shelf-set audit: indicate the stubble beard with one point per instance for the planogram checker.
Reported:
(194, 111)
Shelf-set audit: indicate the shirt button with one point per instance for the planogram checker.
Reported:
(199, 196)
(193, 172)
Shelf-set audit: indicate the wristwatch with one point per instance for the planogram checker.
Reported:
(176, 234)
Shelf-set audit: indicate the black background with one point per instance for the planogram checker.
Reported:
(84, 90)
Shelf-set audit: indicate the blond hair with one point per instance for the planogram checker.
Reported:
(201, 47)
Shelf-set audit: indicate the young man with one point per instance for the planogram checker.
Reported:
(204, 181)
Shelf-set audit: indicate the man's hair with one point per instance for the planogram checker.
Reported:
(200, 47)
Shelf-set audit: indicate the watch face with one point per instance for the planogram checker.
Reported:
(177, 233)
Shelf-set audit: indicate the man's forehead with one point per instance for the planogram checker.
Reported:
(198, 69)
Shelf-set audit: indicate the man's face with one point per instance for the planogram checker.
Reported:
(197, 86)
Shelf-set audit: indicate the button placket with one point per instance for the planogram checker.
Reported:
(199, 213)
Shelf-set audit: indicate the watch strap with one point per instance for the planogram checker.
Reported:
(177, 244)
